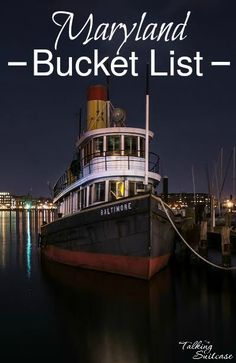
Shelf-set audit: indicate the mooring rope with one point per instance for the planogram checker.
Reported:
(187, 244)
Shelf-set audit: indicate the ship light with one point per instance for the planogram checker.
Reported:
(120, 187)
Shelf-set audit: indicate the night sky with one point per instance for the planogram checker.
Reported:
(192, 117)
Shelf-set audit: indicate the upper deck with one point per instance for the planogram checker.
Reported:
(103, 163)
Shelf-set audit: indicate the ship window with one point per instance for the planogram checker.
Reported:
(142, 147)
(79, 199)
(112, 190)
(131, 145)
(87, 152)
(120, 190)
(117, 190)
(113, 145)
(90, 194)
(139, 187)
(83, 196)
(99, 193)
(98, 146)
(131, 189)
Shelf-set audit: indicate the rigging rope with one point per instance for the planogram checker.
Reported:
(187, 244)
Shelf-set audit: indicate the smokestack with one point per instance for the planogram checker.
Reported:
(96, 107)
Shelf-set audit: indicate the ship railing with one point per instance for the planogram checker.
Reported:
(103, 161)
(153, 157)
(107, 161)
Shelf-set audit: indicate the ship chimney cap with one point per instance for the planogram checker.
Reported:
(97, 92)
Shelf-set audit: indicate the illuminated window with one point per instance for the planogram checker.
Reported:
(120, 189)
(116, 190)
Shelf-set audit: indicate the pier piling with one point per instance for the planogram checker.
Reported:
(225, 246)
(203, 238)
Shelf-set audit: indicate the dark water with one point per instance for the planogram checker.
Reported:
(51, 313)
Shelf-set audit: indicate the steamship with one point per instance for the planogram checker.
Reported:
(109, 217)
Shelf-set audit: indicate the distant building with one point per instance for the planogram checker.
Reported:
(198, 205)
(185, 200)
(11, 202)
(6, 200)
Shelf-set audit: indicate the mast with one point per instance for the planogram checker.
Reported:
(221, 176)
(194, 187)
(108, 100)
(209, 186)
(80, 122)
(147, 127)
(218, 192)
(213, 218)
(221, 166)
(234, 157)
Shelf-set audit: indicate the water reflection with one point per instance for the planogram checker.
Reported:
(109, 317)
(118, 319)
(18, 237)
(85, 316)
(28, 246)
(3, 239)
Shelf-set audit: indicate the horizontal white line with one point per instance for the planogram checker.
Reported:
(162, 73)
(220, 63)
(17, 64)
